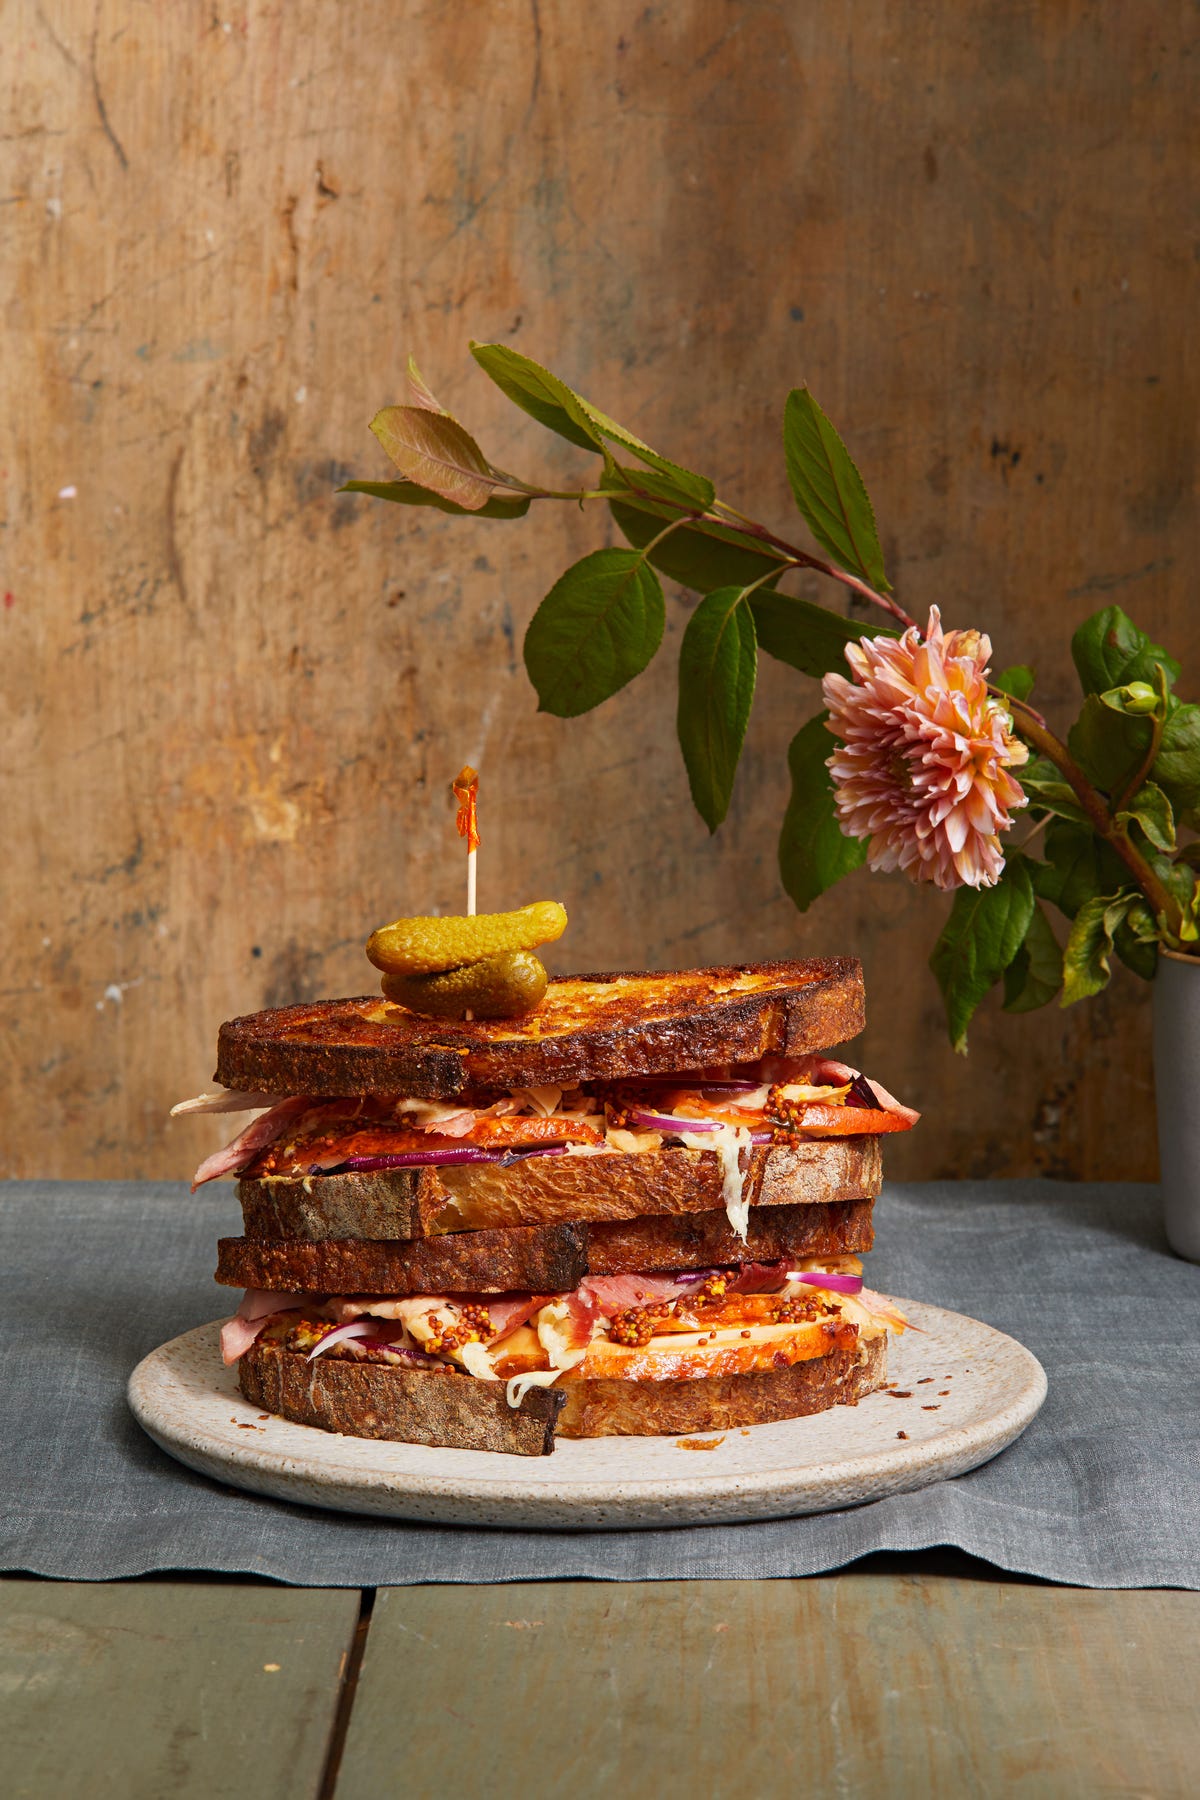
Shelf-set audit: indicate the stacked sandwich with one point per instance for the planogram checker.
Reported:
(639, 1209)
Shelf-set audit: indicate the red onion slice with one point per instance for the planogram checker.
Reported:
(837, 1284)
(420, 1359)
(671, 1122)
(359, 1328)
(421, 1159)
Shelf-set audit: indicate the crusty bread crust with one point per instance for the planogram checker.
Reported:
(411, 1406)
(708, 1240)
(539, 1259)
(410, 1203)
(608, 1408)
(545, 1259)
(589, 1027)
(460, 1412)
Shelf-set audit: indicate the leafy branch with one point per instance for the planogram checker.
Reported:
(1107, 803)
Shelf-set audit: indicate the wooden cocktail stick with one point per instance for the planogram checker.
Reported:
(465, 788)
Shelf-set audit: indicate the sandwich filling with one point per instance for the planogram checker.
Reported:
(750, 1318)
(727, 1111)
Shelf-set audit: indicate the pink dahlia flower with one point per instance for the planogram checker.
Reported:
(922, 769)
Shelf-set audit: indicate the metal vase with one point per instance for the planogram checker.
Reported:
(1177, 1085)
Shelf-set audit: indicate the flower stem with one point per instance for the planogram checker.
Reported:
(792, 556)
(1144, 767)
(1035, 731)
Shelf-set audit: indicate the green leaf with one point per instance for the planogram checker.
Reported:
(1177, 765)
(1034, 975)
(539, 393)
(700, 557)
(407, 493)
(1048, 792)
(597, 628)
(813, 852)
(1108, 746)
(807, 637)
(986, 928)
(1136, 940)
(1078, 867)
(829, 490)
(1109, 651)
(651, 484)
(718, 662)
(1016, 682)
(1086, 964)
(559, 407)
(433, 450)
(1151, 809)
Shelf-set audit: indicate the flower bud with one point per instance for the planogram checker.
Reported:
(1139, 697)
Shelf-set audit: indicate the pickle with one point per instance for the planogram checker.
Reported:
(431, 946)
(498, 987)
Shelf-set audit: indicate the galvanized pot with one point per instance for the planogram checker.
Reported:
(1177, 1084)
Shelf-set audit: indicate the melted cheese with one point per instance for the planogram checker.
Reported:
(476, 1359)
(554, 1335)
(728, 1141)
(519, 1385)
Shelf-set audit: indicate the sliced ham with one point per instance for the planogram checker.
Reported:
(258, 1307)
(245, 1147)
(432, 1115)
(827, 1070)
(890, 1104)
(507, 1311)
(566, 1328)
(620, 1293)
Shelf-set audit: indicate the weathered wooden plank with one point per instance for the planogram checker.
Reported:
(169, 1690)
(232, 700)
(874, 1683)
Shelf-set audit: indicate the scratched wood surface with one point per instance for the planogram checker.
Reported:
(232, 700)
(196, 1690)
(870, 1683)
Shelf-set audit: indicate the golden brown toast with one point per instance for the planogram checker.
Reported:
(414, 1203)
(422, 1406)
(540, 1259)
(589, 1027)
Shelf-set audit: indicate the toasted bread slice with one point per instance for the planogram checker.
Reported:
(443, 1407)
(589, 1027)
(707, 1240)
(409, 1203)
(621, 1406)
(411, 1406)
(540, 1259)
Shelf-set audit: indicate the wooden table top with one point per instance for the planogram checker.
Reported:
(931, 1675)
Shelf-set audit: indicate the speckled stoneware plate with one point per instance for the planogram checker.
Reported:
(960, 1391)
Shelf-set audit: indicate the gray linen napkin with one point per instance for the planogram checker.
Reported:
(1103, 1489)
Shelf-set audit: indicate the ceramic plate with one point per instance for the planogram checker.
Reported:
(962, 1392)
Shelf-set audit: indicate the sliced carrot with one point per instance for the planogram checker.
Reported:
(493, 1133)
(849, 1121)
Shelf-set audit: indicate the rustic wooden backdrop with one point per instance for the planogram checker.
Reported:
(232, 700)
